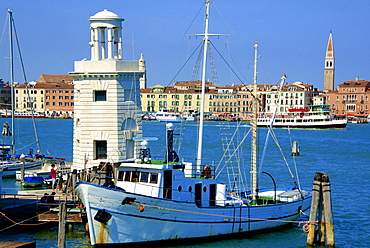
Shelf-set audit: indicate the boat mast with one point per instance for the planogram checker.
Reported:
(10, 15)
(254, 182)
(201, 118)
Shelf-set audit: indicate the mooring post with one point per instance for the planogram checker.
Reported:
(321, 212)
(74, 180)
(22, 157)
(62, 225)
(316, 191)
(329, 227)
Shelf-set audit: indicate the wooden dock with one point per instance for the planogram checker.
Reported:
(11, 244)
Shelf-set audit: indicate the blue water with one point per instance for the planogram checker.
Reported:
(343, 154)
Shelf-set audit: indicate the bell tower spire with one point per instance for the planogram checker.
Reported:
(329, 65)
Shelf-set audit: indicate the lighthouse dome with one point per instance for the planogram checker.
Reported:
(105, 15)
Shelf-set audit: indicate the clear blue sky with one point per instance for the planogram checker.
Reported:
(292, 36)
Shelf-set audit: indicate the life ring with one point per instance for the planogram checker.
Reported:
(207, 171)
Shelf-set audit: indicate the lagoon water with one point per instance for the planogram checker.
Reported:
(343, 154)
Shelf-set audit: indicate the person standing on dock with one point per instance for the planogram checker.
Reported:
(53, 174)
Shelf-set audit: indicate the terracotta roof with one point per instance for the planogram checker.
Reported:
(359, 83)
(48, 86)
(47, 78)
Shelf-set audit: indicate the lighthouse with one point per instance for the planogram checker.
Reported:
(107, 108)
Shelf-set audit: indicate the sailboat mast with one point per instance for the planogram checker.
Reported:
(201, 119)
(254, 182)
(10, 15)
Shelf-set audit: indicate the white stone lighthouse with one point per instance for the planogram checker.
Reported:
(107, 108)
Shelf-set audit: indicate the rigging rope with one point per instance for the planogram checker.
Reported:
(215, 215)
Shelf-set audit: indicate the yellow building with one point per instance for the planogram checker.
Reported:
(28, 96)
(182, 97)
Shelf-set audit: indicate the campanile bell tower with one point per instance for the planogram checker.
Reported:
(107, 108)
(329, 65)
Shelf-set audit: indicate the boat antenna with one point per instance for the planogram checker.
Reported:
(10, 16)
(201, 117)
(254, 180)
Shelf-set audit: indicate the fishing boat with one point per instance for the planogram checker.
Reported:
(172, 200)
(314, 116)
(8, 159)
(165, 115)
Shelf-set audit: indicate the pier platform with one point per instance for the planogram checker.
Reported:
(11, 244)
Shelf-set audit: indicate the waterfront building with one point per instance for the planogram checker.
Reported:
(5, 95)
(352, 98)
(296, 95)
(50, 94)
(225, 100)
(329, 68)
(107, 90)
(29, 96)
(183, 96)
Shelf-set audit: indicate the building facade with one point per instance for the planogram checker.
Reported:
(50, 94)
(352, 98)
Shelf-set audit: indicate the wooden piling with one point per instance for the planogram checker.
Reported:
(321, 213)
(74, 180)
(329, 227)
(62, 225)
(316, 191)
(22, 169)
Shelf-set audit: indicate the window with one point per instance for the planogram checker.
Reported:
(144, 176)
(153, 178)
(60, 97)
(60, 104)
(100, 95)
(135, 176)
(100, 149)
(127, 177)
(121, 175)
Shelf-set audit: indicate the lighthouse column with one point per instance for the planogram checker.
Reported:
(102, 42)
(110, 41)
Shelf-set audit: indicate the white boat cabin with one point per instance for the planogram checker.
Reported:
(172, 180)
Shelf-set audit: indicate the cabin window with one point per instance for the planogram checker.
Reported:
(135, 176)
(100, 95)
(179, 188)
(127, 177)
(144, 176)
(190, 188)
(100, 149)
(120, 175)
(204, 189)
(153, 178)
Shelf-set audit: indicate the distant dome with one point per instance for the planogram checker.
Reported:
(105, 15)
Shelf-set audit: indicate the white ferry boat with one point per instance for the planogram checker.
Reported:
(315, 116)
(165, 115)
